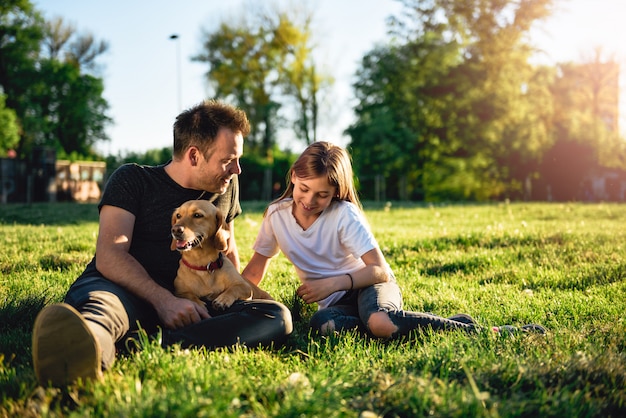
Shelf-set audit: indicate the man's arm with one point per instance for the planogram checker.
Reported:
(116, 264)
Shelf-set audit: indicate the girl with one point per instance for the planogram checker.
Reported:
(318, 223)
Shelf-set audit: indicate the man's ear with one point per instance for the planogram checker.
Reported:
(193, 154)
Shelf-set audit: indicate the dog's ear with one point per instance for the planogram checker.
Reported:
(220, 239)
(173, 243)
(173, 222)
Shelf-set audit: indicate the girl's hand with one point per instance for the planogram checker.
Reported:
(318, 289)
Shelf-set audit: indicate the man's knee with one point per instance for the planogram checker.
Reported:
(283, 313)
(277, 314)
(380, 325)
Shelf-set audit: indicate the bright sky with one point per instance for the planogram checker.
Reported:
(141, 71)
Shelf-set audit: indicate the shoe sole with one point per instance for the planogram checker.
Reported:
(64, 348)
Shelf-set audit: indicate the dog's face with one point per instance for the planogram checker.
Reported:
(197, 223)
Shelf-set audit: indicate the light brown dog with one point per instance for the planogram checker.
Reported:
(198, 232)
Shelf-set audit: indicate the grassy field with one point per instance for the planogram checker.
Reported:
(560, 265)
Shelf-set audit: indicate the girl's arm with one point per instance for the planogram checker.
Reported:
(375, 271)
(256, 268)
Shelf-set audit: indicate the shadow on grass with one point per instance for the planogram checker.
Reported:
(59, 213)
(16, 324)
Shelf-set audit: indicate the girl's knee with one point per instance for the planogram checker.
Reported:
(380, 325)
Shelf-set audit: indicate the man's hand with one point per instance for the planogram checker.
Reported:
(178, 313)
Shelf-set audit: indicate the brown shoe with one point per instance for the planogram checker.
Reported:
(64, 348)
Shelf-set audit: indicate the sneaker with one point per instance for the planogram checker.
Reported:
(536, 328)
(464, 318)
(528, 328)
(64, 348)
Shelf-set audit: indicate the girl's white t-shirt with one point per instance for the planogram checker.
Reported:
(331, 246)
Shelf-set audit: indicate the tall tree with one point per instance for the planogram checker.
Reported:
(264, 63)
(46, 73)
(21, 34)
(587, 94)
(9, 133)
(303, 81)
(70, 97)
(460, 87)
(585, 126)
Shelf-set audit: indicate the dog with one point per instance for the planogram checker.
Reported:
(204, 273)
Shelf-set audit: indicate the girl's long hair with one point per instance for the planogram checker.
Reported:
(329, 160)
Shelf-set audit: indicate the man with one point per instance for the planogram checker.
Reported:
(130, 279)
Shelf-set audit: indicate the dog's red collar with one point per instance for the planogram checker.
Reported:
(211, 267)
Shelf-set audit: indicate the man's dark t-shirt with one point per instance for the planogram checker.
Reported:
(151, 195)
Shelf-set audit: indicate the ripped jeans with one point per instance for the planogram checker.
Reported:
(355, 308)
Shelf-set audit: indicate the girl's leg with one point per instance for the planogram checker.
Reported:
(380, 308)
(375, 304)
(340, 317)
(407, 321)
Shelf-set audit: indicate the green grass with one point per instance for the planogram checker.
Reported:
(561, 265)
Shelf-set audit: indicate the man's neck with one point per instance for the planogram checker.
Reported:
(176, 172)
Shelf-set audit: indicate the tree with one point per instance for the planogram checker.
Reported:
(63, 43)
(9, 136)
(46, 73)
(585, 97)
(304, 83)
(459, 93)
(264, 63)
(72, 107)
(21, 33)
(386, 138)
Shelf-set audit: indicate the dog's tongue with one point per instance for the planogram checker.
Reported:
(181, 243)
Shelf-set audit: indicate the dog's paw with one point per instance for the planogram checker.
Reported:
(223, 302)
(262, 294)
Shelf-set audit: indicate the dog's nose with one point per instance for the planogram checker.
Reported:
(178, 229)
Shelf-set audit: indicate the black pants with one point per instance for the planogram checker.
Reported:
(113, 315)
(249, 322)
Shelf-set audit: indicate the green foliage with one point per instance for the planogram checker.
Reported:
(150, 157)
(72, 108)
(9, 136)
(44, 72)
(558, 265)
(452, 109)
(262, 63)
